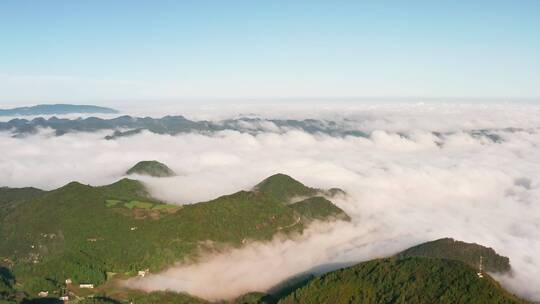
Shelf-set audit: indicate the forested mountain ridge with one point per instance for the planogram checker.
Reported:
(468, 253)
(126, 125)
(129, 125)
(85, 233)
(96, 234)
(407, 280)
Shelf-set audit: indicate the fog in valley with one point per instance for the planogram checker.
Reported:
(425, 171)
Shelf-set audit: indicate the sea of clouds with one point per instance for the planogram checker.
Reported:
(405, 184)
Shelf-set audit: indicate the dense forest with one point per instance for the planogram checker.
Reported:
(92, 234)
(407, 280)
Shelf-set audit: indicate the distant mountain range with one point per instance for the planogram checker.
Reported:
(56, 109)
(128, 125)
(172, 125)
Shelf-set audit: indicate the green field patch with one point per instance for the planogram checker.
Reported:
(164, 207)
(110, 275)
(111, 203)
(139, 205)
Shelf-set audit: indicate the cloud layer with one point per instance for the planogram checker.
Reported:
(406, 186)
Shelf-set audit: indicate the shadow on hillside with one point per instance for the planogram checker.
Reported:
(5, 274)
(291, 284)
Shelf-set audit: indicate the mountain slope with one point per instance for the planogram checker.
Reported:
(318, 208)
(408, 280)
(151, 168)
(83, 233)
(282, 187)
(18, 194)
(11, 197)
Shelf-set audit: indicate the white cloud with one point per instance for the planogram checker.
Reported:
(404, 189)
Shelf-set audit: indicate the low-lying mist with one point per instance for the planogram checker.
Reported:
(406, 185)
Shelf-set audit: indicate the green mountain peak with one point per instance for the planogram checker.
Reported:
(469, 253)
(408, 280)
(151, 168)
(282, 187)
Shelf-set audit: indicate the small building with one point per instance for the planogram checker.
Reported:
(68, 281)
(133, 228)
(43, 294)
(86, 286)
(64, 298)
(143, 273)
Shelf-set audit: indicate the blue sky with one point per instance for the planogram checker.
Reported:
(118, 50)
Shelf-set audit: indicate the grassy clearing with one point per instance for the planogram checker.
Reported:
(164, 207)
(138, 204)
(111, 203)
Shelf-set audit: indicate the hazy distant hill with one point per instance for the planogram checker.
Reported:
(82, 232)
(128, 125)
(54, 109)
(151, 168)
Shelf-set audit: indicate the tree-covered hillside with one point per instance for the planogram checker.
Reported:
(468, 253)
(407, 280)
(95, 234)
(151, 168)
(10, 195)
(319, 208)
(90, 234)
(10, 198)
(282, 187)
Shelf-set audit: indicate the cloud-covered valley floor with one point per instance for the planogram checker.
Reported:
(405, 186)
